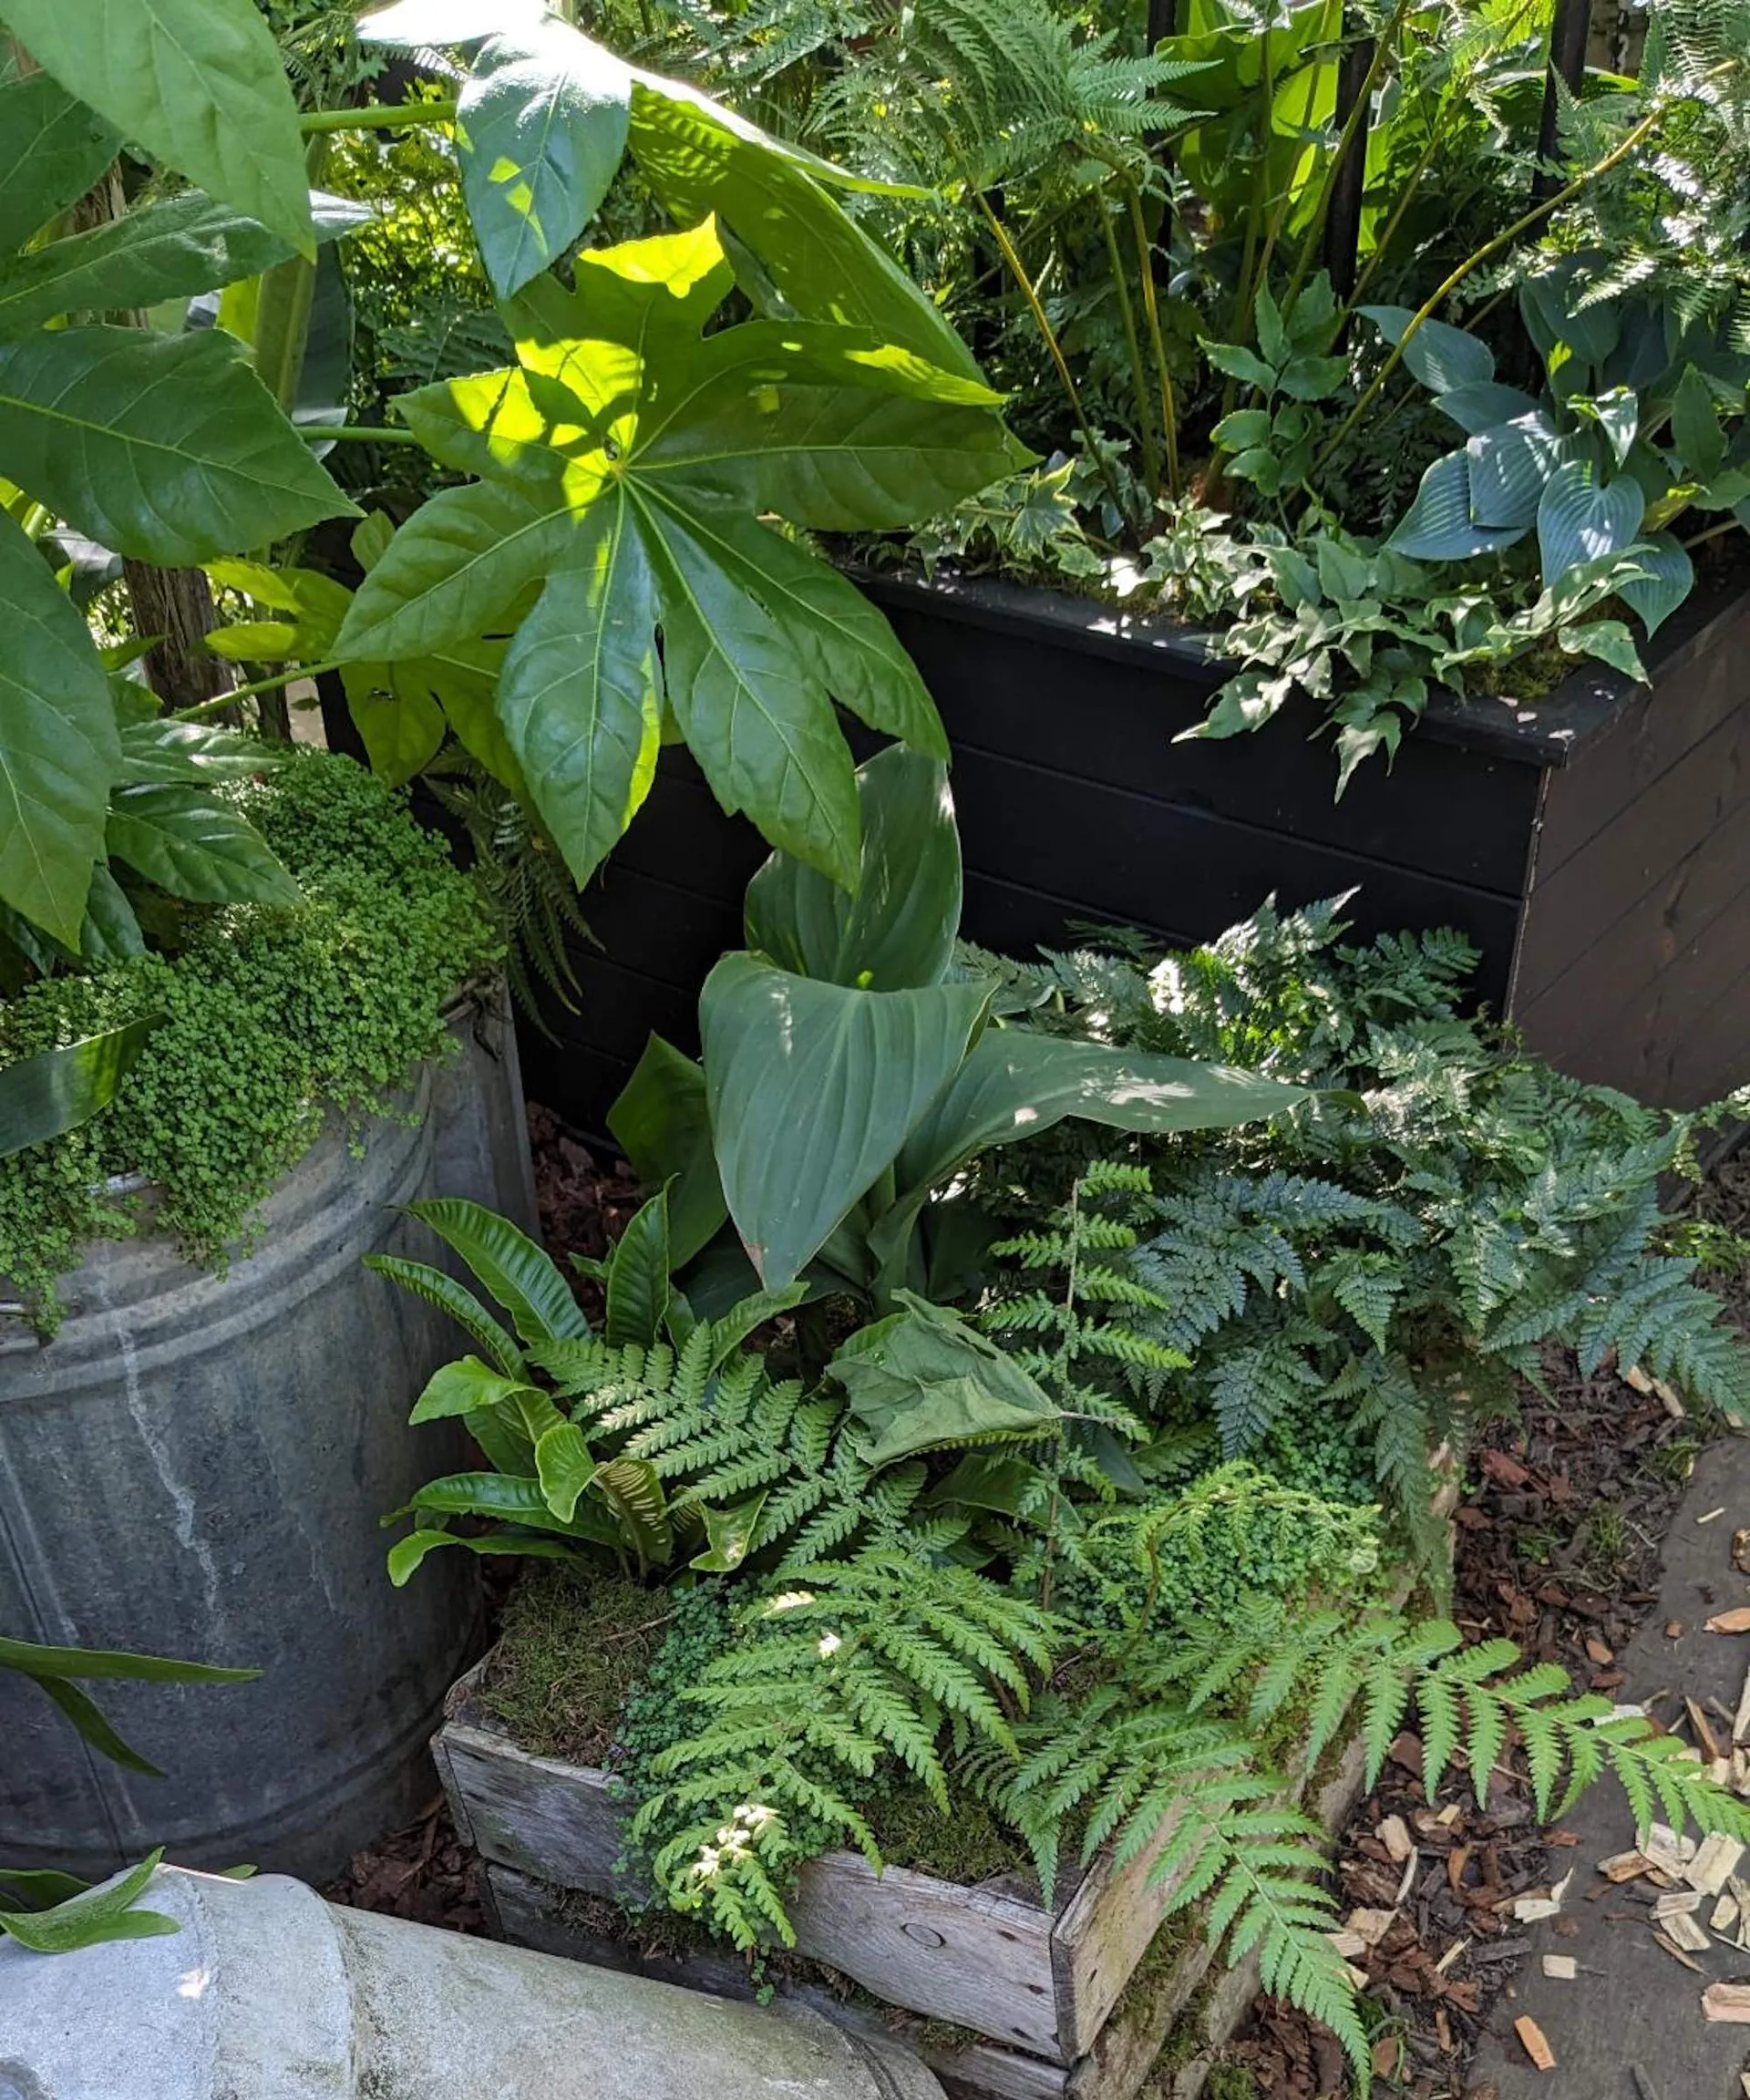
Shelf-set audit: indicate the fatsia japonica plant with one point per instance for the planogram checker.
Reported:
(640, 470)
(164, 449)
(851, 1068)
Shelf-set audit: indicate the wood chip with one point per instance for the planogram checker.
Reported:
(1720, 1772)
(1370, 1926)
(1677, 1954)
(1634, 1375)
(1712, 1515)
(1741, 1719)
(1450, 1814)
(1724, 1915)
(1674, 1629)
(1715, 1863)
(1669, 1853)
(1678, 1904)
(1687, 1931)
(1669, 1399)
(1560, 1968)
(1395, 1835)
(1704, 1735)
(1624, 1866)
(1729, 2001)
(1385, 2054)
(1348, 1944)
(1528, 1910)
(1443, 2030)
(1535, 2044)
(1737, 1620)
(1451, 1955)
(1599, 1653)
(1743, 2081)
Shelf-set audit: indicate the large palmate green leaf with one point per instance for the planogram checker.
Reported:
(59, 751)
(812, 1090)
(199, 83)
(53, 148)
(541, 126)
(897, 928)
(625, 466)
(165, 447)
(41, 1097)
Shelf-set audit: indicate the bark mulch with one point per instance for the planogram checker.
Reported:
(1557, 1548)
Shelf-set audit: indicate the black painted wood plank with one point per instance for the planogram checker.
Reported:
(1583, 903)
(1460, 815)
(1699, 686)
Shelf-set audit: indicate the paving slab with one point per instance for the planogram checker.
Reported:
(1630, 2026)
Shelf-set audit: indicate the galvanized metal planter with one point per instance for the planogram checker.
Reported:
(196, 1465)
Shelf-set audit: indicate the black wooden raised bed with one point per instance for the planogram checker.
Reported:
(1592, 845)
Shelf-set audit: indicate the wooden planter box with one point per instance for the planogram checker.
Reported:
(1045, 1998)
(1592, 847)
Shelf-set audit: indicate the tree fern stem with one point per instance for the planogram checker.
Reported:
(1354, 124)
(1018, 270)
(1507, 235)
(1133, 350)
(1152, 307)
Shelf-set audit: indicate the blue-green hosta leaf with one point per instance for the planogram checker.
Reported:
(540, 127)
(896, 928)
(44, 1095)
(199, 83)
(170, 249)
(1440, 526)
(59, 749)
(1483, 403)
(189, 842)
(1440, 355)
(1618, 415)
(812, 1090)
(165, 447)
(1668, 578)
(53, 148)
(1509, 465)
(1581, 518)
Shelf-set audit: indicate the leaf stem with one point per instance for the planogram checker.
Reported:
(1151, 308)
(377, 117)
(359, 433)
(1133, 350)
(205, 707)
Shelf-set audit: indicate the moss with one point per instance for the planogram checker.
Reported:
(273, 1018)
(574, 1649)
(967, 1843)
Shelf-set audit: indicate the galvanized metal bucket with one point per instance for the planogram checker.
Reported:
(198, 1466)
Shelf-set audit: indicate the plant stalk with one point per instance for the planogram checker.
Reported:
(280, 678)
(1133, 350)
(377, 117)
(1151, 308)
(1018, 270)
(359, 433)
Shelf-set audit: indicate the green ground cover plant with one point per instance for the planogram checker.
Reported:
(269, 1018)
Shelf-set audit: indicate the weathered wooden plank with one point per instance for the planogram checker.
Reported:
(534, 1915)
(547, 1818)
(967, 1955)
